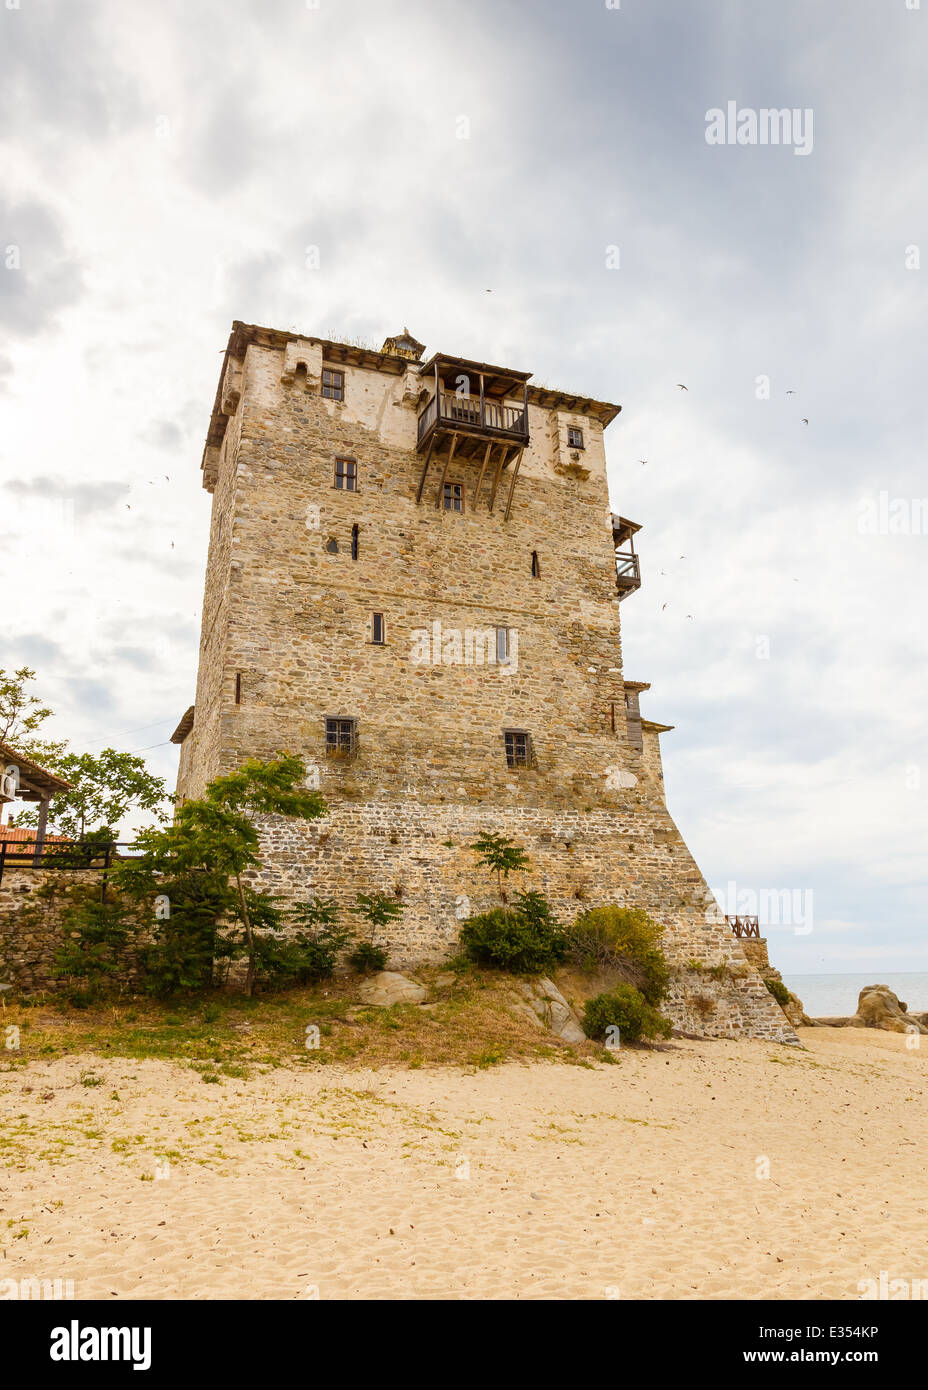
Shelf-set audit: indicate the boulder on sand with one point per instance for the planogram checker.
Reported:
(878, 1007)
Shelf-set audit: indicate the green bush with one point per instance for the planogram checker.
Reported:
(318, 940)
(623, 938)
(625, 1008)
(378, 910)
(367, 959)
(779, 991)
(525, 939)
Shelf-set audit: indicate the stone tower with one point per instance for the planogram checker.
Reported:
(413, 582)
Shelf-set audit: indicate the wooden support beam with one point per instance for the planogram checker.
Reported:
(512, 485)
(428, 459)
(40, 831)
(444, 471)
(499, 469)
(483, 469)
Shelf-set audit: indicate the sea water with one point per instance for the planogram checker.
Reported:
(835, 996)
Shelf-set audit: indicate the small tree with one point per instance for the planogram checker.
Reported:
(378, 910)
(21, 714)
(183, 948)
(501, 856)
(216, 834)
(104, 787)
(311, 948)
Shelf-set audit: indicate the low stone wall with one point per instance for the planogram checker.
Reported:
(31, 931)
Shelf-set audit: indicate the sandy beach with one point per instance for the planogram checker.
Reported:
(646, 1179)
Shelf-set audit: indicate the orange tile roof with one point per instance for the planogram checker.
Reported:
(25, 832)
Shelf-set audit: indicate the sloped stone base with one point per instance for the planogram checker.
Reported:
(420, 854)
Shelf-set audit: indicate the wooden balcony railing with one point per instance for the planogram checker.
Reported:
(744, 926)
(627, 572)
(470, 414)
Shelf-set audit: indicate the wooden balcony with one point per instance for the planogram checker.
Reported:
(473, 428)
(627, 563)
(473, 402)
(471, 416)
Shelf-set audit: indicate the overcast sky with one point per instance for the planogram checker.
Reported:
(166, 168)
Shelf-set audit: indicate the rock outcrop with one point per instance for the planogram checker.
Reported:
(879, 1007)
(796, 1013)
(549, 1007)
(387, 988)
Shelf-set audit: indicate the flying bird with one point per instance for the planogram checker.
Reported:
(663, 606)
(805, 422)
(791, 393)
(681, 387)
(689, 615)
(642, 462)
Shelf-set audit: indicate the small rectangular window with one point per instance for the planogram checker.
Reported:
(238, 688)
(536, 567)
(574, 438)
(341, 737)
(502, 645)
(377, 629)
(454, 497)
(333, 384)
(346, 474)
(518, 748)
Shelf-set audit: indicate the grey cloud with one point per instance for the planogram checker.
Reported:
(34, 649)
(38, 275)
(162, 434)
(141, 658)
(57, 72)
(86, 499)
(89, 696)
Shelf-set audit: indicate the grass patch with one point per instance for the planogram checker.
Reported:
(472, 1023)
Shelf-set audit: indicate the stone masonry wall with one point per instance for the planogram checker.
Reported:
(31, 931)
(579, 859)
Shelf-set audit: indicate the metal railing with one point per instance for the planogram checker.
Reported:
(744, 926)
(60, 854)
(470, 413)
